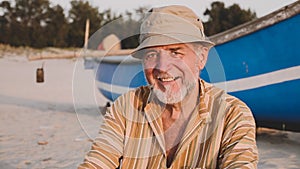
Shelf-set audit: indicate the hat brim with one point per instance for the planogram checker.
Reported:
(161, 40)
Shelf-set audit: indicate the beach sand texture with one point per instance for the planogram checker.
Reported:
(43, 125)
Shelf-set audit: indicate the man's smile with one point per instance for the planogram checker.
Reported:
(167, 78)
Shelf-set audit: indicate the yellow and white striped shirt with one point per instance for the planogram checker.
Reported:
(221, 134)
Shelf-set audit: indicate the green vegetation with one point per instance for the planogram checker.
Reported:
(38, 23)
(222, 19)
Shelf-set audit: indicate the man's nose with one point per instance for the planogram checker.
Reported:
(163, 61)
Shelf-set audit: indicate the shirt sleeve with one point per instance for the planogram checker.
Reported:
(238, 147)
(107, 148)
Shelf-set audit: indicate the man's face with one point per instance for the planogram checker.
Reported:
(172, 70)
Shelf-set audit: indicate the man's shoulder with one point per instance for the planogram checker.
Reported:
(216, 91)
(211, 89)
(236, 110)
(141, 92)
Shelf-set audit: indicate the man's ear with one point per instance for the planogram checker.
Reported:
(203, 57)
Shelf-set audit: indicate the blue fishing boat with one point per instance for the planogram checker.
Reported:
(258, 62)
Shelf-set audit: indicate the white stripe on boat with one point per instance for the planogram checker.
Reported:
(279, 76)
(253, 82)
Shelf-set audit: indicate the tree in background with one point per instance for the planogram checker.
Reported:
(221, 18)
(81, 11)
(5, 21)
(37, 23)
(57, 28)
(32, 23)
(29, 19)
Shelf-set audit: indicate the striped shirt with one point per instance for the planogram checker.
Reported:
(220, 134)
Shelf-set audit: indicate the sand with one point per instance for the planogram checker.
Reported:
(51, 124)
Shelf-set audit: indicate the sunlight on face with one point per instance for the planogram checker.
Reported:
(172, 70)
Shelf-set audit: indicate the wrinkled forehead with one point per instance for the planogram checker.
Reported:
(172, 47)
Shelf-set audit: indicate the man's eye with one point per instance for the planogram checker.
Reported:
(150, 56)
(175, 54)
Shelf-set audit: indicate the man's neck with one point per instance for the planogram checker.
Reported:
(186, 106)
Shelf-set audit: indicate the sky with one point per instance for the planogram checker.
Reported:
(261, 7)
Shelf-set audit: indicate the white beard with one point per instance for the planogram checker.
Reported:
(170, 97)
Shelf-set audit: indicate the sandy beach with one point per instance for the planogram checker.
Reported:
(51, 124)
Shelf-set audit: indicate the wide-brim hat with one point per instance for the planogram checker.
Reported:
(168, 25)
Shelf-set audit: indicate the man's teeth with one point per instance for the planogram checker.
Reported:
(167, 79)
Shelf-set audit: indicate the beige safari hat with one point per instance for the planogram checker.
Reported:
(170, 25)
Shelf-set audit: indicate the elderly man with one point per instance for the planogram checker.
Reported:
(178, 120)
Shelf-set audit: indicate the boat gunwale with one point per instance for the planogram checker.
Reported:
(279, 15)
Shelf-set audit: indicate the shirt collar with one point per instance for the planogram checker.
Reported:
(154, 107)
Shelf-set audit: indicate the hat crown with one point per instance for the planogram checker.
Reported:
(181, 12)
(169, 20)
(168, 25)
